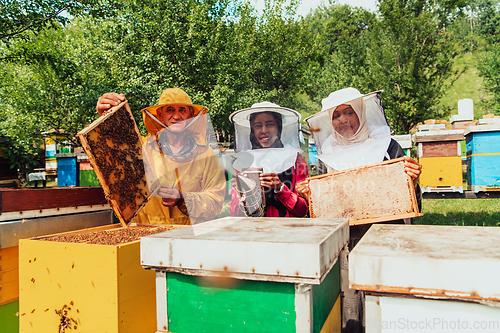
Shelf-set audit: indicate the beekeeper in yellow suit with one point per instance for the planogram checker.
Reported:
(181, 167)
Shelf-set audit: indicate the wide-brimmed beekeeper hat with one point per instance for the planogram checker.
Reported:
(269, 159)
(338, 155)
(343, 96)
(169, 96)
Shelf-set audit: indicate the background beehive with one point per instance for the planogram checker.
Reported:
(114, 147)
(374, 193)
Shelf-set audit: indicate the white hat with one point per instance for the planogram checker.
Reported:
(342, 96)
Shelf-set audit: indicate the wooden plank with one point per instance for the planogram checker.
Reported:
(24, 199)
(439, 149)
(12, 231)
(324, 297)
(333, 323)
(9, 272)
(136, 291)
(114, 147)
(446, 137)
(373, 193)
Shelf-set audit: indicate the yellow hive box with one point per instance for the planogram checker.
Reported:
(8, 275)
(441, 171)
(88, 287)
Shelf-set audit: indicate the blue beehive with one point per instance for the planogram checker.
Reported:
(67, 171)
(313, 155)
(483, 157)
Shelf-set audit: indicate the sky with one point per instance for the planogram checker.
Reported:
(306, 5)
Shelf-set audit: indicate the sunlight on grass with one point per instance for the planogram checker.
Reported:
(470, 212)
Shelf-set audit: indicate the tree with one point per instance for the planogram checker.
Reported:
(410, 57)
(20, 17)
(489, 69)
(52, 81)
(271, 55)
(343, 32)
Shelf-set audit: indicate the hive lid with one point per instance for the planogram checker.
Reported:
(441, 135)
(440, 261)
(403, 140)
(270, 249)
(482, 128)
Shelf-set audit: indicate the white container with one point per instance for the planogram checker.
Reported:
(428, 278)
(234, 270)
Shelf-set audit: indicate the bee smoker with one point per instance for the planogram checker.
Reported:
(251, 193)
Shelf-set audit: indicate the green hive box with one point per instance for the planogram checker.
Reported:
(248, 275)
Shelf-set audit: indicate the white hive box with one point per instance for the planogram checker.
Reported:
(248, 274)
(444, 277)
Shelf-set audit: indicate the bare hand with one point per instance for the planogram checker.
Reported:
(303, 190)
(108, 100)
(270, 180)
(412, 169)
(170, 196)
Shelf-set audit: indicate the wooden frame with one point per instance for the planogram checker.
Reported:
(404, 185)
(115, 153)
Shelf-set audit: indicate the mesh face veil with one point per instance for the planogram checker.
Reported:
(273, 151)
(368, 145)
(179, 159)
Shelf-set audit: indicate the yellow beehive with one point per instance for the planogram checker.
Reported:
(8, 275)
(441, 171)
(88, 287)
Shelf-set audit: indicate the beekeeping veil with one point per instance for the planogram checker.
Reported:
(178, 157)
(370, 142)
(282, 154)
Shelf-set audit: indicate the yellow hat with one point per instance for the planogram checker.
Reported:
(169, 96)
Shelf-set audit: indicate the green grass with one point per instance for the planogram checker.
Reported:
(461, 212)
(468, 85)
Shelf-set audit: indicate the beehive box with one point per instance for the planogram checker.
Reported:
(248, 275)
(483, 157)
(87, 176)
(428, 278)
(405, 142)
(114, 148)
(439, 153)
(89, 281)
(10, 233)
(67, 170)
(373, 193)
(40, 202)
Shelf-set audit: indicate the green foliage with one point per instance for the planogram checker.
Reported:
(343, 63)
(53, 83)
(410, 59)
(489, 69)
(21, 160)
(227, 56)
(467, 85)
(20, 17)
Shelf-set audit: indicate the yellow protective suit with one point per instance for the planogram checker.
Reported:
(201, 182)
